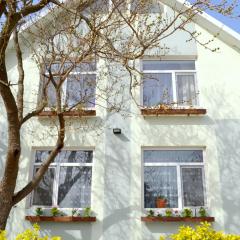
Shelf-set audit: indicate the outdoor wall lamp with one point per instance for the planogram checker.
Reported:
(117, 130)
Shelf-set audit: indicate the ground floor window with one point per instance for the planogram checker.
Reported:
(177, 176)
(67, 182)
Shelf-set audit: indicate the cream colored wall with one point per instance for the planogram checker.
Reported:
(117, 170)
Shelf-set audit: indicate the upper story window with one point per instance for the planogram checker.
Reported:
(170, 83)
(175, 175)
(67, 182)
(78, 88)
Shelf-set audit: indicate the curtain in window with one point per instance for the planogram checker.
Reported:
(160, 181)
(42, 195)
(75, 187)
(186, 89)
(192, 184)
(157, 89)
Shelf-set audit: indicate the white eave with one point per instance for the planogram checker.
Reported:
(211, 24)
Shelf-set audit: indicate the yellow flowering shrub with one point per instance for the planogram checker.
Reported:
(3, 235)
(202, 232)
(29, 234)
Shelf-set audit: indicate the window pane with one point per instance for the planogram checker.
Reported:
(81, 90)
(86, 67)
(160, 181)
(157, 89)
(75, 187)
(75, 156)
(51, 92)
(42, 195)
(41, 156)
(186, 90)
(168, 156)
(192, 184)
(168, 65)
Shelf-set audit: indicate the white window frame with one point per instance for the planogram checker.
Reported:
(64, 85)
(173, 73)
(179, 177)
(57, 167)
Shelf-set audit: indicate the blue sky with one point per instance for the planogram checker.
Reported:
(230, 22)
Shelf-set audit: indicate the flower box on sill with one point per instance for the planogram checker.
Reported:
(59, 219)
(177, 219)
(172, 111)
(73, 113)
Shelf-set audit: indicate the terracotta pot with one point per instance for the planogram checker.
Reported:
(161, 203)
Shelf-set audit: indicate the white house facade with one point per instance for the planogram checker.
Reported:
(188, 154)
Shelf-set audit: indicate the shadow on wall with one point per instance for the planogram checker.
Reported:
(228, 147)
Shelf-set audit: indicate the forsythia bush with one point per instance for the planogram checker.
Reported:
(29, 234)
(202, 232)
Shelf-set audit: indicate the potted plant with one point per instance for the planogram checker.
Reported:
(202, 212)
(161, 202)
(55, 211)
(38, 212)
(187, 212)
(168, 212)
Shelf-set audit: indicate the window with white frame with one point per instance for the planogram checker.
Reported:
(79, 87)
(169, 83)
(67, 182)
(175, 175)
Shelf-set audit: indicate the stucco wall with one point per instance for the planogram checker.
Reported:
(117, 169)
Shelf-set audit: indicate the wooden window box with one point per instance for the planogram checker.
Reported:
(177, 219)
(173, 111)
(79, 113)
(59, 219)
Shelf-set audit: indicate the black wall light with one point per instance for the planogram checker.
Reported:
(117, 130)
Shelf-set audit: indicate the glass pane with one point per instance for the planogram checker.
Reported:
(172, 156)
(75, 187)
(160, 181)
(42, 195)
(157, 89)
(41, 156)
(75, 156)
(168, 65)
(186, 90)
(81, 90)
(192, 184)
(51, 92)
(86, 67)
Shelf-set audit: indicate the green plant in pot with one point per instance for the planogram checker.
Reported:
(38, 211)
(187, 212)
(150, 213)
(202, 212)
(161, 202)
(87, 212)
(55, 211)
(169, 212)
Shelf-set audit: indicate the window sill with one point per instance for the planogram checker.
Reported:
(173, 111)
(79, 113)
(59, 219)
(177, 219)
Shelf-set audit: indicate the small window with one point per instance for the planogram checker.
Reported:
(176, 175)
(67, 183)
(78, 88)
(169, 83)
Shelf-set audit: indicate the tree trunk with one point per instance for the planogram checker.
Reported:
(5, 207)
(8, 181)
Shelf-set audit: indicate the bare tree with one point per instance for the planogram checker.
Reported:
(80, 33)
